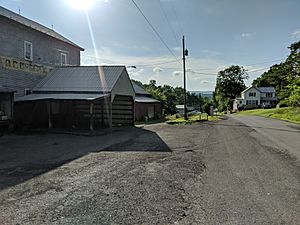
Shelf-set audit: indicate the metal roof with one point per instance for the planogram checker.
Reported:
(34, 25)
(6, 90)
(62, 96)
(145, 99)
(139, 90)
(81, 79)
(266, 89)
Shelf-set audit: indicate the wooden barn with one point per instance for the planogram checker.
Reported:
(145, 107)
(80, 97)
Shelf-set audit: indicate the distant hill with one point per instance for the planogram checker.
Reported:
(208, 94)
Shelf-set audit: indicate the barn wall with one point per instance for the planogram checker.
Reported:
(142, 110)
(6, 103)
(123, 111)
(123, 86)
(68, 114)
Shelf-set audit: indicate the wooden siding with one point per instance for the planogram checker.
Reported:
(122, 111)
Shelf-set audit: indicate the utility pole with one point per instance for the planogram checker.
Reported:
(184, 53)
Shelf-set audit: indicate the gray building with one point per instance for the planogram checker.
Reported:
(29, 51)
(83, 97)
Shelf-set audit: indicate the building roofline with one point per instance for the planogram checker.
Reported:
(250, 88)
(35, 26)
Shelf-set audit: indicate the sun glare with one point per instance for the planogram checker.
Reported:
(81, 4)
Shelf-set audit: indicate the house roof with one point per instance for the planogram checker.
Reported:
(139, 90)
(250, 88)
(63, 96)
(144, 99)
(261, 89)
(267, 89)
(34, 25)
(81, 79)
(6, 90)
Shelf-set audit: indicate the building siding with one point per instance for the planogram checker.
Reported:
(46, 49)
(46, 54)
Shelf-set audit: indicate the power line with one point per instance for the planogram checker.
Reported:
(178, 22)
(155, 64)
(258, 70)
(168, 22)
(277, 60)
(136, 65)
(155, 31)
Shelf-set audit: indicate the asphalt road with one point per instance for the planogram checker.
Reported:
(280, 135)
(209, 173)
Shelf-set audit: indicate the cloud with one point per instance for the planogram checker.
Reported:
(157, 70)
(210, 53)
(296, 34)
(204, 82)
(247, 34)
(177, 73)
(177, 49)
(199, 70)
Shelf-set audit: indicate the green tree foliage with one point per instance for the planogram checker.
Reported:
(170, 96)
(285, 77)
(230, 83)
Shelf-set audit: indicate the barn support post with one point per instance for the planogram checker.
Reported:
(91, 116)
(102, 113)
(49, 114)
(110, 103)
(133, 111)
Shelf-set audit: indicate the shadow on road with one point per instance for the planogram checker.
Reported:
(23, 157)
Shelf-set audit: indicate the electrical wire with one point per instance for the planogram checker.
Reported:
(168, 22)
(155, 31)
(178, 22)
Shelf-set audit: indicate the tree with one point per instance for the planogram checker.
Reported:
(230, 83)
(285, 77)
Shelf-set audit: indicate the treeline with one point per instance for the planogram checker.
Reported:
(284, 77)
(170, 97)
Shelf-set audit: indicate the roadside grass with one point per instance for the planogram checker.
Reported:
(291, 114)
(150, 122)
(191, 119)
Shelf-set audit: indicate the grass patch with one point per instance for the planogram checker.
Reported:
(191, 119)
(291, 114)
(150, 122)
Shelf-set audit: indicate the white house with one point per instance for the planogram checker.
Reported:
(254, 97)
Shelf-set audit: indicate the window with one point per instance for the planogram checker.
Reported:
(252, 94)
(27, 91)
(269, 95)
(251, 102)
(63, 59)
(241, 102)
(28, 50)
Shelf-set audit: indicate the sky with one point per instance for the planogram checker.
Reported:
(218, 33)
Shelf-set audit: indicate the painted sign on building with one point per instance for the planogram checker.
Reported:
(25, 66)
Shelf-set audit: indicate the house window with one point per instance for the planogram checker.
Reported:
(269, 95)
(241, 102)
(252, 94)
(27, 91)
(63, 59)
(251, 102)
(28, 50)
